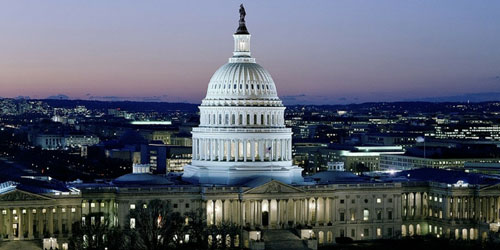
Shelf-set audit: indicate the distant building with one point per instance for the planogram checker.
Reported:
(65, 141)
(405, 162)
(165, 158)
(354, 158)
(389, 139)
(467, 131)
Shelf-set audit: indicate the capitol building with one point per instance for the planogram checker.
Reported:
(242, 173)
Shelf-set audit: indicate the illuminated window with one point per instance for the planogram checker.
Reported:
(63, 210)
(132, 206)
(102, 204)
(14, 211)
(92, 204)
(379, 232)
(132, 223)
(24, 211)
(366, 214)
(84, 205)
(379, 200)
(34, 211)
(44, 210)
(4, 211)
(73, 209)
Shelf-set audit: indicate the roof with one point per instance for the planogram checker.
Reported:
(142, 179)
(336, 177)
(447, 176)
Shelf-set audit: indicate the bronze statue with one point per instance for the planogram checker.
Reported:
(242, 13)
(242, 28)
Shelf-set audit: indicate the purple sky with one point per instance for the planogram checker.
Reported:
(317, 51)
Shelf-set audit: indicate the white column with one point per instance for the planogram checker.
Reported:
(272, 150)
(236, 150)
(245, 150)
(261, 150)
(227, 144)
(282, 148)
(252, 149)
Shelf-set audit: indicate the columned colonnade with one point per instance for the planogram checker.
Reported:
(280, 213)
(242, 150)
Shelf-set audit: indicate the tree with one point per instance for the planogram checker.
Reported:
(223, 235)
(96, 234)
(196, 229)
(156, 227)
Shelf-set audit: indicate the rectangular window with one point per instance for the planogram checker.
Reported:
(132, 223)
(132, 206)
(342, 216)
(379, 200)
(379, 215)
(353, 233)
(341, 201)
(389, 215)
(389, 231)
(366, 214)
(379, 232)
(366, 232)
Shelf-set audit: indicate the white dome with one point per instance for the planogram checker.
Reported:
(242, 133)
(241, 81)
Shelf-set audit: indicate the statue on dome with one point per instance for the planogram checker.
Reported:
(242, 13)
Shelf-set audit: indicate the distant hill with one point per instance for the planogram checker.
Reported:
(124, 105)
(471, 97)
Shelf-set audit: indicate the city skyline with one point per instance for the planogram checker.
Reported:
(344, 52)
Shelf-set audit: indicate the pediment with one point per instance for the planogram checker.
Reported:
(19, 195)
(273, 187)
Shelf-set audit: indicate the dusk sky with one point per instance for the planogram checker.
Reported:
(327, 51)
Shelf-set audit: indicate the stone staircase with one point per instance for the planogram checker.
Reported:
(283, 239)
